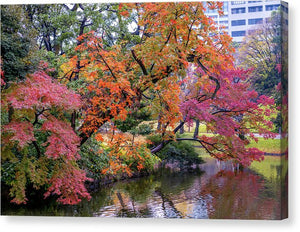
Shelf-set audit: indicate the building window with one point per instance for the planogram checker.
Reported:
(237, 2)
(238, 33)
(255, 21)
(254, 1)
(238, 10)
(255, 8)
(272, 7)
(238, 22)
(209, 11)
(225, 16)
(213, 16)
(223, 22)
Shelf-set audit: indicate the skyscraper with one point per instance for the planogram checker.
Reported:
(242, 17)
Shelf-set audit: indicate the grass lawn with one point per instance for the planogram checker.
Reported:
(267, 145)
(187, 129)
(272, 167)
(202, 153)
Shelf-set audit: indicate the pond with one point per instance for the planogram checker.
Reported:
(216, 191)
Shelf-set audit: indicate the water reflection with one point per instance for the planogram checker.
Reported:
(217, 191)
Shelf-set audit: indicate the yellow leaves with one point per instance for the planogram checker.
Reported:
(7, 154)
(38, 172)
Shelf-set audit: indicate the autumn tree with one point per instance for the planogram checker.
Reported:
(40, 148)
(59, 25)
(231, 115)
(173, 36)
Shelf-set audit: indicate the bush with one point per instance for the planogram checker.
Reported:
(133, 120)
(92, 162)
(183, 152)
(150, 160)
(155, 140)
(143, 129)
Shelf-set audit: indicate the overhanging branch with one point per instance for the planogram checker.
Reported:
(140, 62)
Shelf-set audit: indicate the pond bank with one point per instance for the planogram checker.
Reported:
(174, 167)
(215, 192)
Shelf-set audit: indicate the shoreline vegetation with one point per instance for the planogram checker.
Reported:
(272, 148)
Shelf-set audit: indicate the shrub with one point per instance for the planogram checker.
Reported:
(133, 120)
(91, 160)
(149, 161)
(144, 129)
(183, 152)
(155, 139)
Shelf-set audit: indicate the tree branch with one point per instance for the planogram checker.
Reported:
(140, 62)
(211, 77)
(36, 148)
(163, 143)
(106, 64)
(169, 36)
(149, 98)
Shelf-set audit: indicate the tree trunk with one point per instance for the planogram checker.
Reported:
(196, 132)
(181, 129)
(158, 123)
(10, 112)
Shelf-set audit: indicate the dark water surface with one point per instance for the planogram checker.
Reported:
(217, 191)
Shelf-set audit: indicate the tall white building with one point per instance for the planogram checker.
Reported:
(242, 17)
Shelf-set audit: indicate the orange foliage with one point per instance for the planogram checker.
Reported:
(172, 35)
(124, 152)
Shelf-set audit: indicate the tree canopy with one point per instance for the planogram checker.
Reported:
(114, 61)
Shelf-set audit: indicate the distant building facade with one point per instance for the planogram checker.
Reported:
(243, 17)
